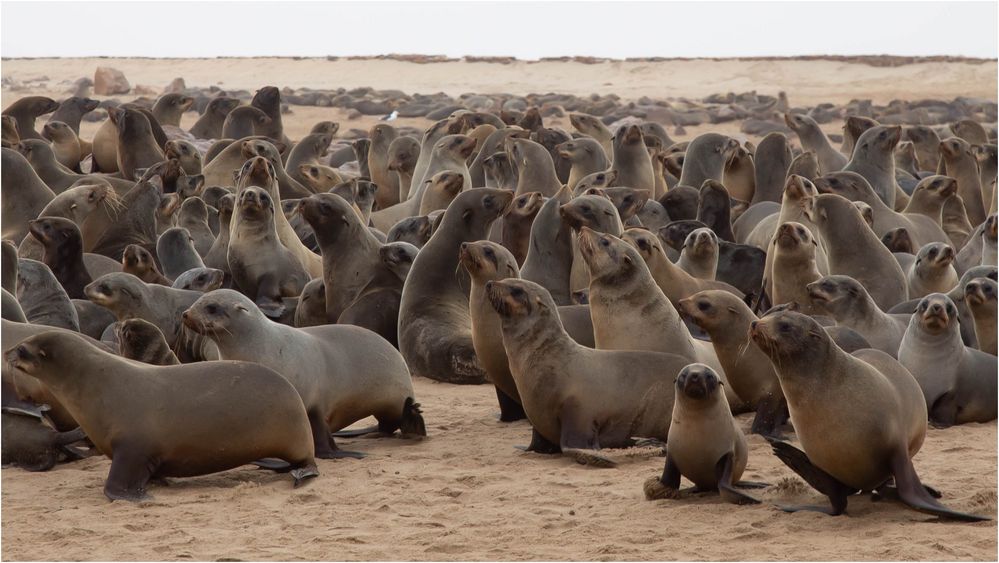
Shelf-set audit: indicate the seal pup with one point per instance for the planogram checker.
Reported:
(142, 341)
(854, 250)
(846, 300)
(579, 399)
(714, 209)
(932, 271)
(169, 108)
(726, 319)
(255, 413)
(376, 307)
(260, 265)
(402, 155)
(30, 442)
(958, 382)
(699, 256)
(139, 262)
(926, 143)
(794, 266)
(343, 373)
(886, 426)
(308, 152)
(63, 252)
(704, 445)
(268, 100)
(739, 177)
(382, 135)
(434, 322)
(186, 153)
(199, 279)
(980, 297)
(72, 109)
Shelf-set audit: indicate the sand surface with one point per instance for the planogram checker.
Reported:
(465, 493)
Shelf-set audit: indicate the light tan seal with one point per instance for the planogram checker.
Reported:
(885, 421)
(980, 296)
(243, 412)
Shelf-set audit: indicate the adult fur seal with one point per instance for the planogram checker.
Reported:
(632, 162)
(209, 125)
(705, 445)
(849, 303)
(26, 110)
(268, 100)
(242, 413)
(932, 271)
(549, 257)
(434, 322)
(343, 373)
(137, 148)
(518, 222)
(885, 427)
(958, 381)
(854, 250)
(705, 159)
(71, 111)
(535, 167)
(579, 399)
(772, 158)
(63, 252)
(671, 279)
(24, 194)
(813, 139)
(586, 156)
(980, 296)
(873, 158)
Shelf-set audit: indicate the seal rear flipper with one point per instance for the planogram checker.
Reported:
(540, 444)
(510, 409)
(412, 423)
(303, 474)
(272, 464)
(75, 435)
(914, 495)
(728, 492)
(665, 486)
(823, 482)
(355, 433)
(129, 474)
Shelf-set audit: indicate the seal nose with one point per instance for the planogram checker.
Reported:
(936, 308)
(753, 324)
(489, 286)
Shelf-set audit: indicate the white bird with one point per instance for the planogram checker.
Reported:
(391, 116)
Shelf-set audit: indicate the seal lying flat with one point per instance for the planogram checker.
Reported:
(170, 421)
(705, 445)
(884, 423)
(579, 399)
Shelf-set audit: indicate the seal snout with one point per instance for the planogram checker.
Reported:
(697, 381)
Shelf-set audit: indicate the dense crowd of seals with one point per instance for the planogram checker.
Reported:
(188, 301)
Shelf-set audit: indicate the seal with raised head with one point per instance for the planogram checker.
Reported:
(980, 296)
(632, 161)
(846, 300)
(343, 373)
(209, 125)
(958, 382)
(884, 429)
(932, 271)
(434, 323)
(579, 399)
(705, 445)
(243, 412)
(26, 110)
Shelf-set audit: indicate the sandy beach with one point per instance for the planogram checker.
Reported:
(465, 492)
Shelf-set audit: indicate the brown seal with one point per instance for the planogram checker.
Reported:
(705, 445)
(849, 303)
(579, 399)
(822, 382)
(142, 341)
(26, 110)
(632, 162)
(244, 412)
(139, 262)
(517, 224)
(980, 296)
(209, 125)
(434, 322)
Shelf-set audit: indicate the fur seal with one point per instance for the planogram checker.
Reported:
(535, 167)
(31, 443)
(579, 399)
(193, 216)
(255, 413)
(42, 298)
(705, 159)
(958, 381)
(699, 256)
(632, 162)
(886, 426)
(176, 253)
(63, 252)
(434, 323)
(926, 143)
(959, 162)
(740, 175)
(705, 445)
(376, 307)
(980, 297)
(186, 153)
(849, 303)
(518, 222)
(139, 262)
(593, 127)
(209, 125)
(200, 279)
(932, 271)
(343, 373)
(268, 100)
(873, 158)
(381, 136)
(714, 209)
(772, 159)
(586, 156)
(170, 107)
(65, 144)
(794, 265)
(26, 110)
(403, 153)
(137, 148)
(244, 121)
(813, 139)
(549, 257)
(675, 283)
(854, 250)
(24, 194)
(142, 341)
(72, 109)
(260, 265)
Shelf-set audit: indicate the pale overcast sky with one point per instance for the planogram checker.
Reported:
(526, 30)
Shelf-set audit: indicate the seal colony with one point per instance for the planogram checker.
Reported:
(596, 276)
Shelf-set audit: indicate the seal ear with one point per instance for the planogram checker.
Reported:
(127, 292)
(467, 215)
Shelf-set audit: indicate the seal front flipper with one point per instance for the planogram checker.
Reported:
(129, 474)
(817, 478)
(540, 444)
(771, 413)
(325, 445)
(913, 494)
(269, 297)
(510, 410)
(665, 486)
(726, 488)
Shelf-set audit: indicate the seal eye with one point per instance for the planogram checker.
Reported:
(488, 252)
(784, 327)
(517, 292)
(703, 306)
(604, 242)
(950, 310)
(212, 309)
